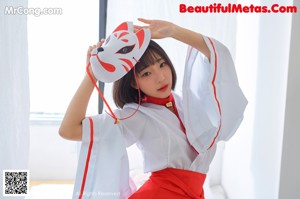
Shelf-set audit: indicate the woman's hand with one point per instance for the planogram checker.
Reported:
(162, 29)
(159, 29)
(89, 54)
(91, 48)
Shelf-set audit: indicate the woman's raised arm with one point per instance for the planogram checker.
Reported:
(71, 126)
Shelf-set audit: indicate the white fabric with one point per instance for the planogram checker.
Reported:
(202, 115)
(108, 145)
(155, 125)
(157, 131)
(14, 86)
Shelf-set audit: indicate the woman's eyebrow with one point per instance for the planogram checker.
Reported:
(156, 61)
(159, 59)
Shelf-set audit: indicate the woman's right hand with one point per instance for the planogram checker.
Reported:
(91, 48)
(89, 54)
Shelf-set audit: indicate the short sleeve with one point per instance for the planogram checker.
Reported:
(100, 122)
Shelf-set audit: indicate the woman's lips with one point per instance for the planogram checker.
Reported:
(164, 88)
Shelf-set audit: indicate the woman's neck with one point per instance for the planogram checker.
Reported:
(167, 102)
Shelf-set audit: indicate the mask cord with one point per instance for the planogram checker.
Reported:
(100, 93)
(139, 97)
(117, 120)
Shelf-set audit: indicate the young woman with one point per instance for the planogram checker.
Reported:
(177, 135)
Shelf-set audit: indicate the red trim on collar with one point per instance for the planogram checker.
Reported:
(167, 102)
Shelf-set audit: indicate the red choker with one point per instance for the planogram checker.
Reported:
(167, 102)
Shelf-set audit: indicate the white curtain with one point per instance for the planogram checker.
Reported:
(14, 85)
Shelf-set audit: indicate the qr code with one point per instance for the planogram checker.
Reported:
(15, 182)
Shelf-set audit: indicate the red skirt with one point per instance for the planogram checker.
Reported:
(172, 183)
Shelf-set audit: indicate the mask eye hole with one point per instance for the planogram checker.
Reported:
(125, 49)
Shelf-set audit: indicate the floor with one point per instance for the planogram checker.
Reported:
(50, 190)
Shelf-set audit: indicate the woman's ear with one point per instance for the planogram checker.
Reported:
(133, 85)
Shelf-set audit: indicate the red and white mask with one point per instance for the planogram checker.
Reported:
(120, 52)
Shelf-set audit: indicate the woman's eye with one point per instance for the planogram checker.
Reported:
(162, 64)
(146, 74)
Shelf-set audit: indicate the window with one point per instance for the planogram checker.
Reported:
(58, 42)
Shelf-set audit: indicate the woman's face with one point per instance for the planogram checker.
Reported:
(156, 79)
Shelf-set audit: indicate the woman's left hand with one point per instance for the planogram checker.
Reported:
(159, 29)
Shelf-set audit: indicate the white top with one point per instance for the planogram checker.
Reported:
(158, 134)
(211, 109)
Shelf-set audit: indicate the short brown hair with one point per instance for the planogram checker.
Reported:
(123, 92)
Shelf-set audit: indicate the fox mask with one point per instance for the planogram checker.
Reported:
(120, 52)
